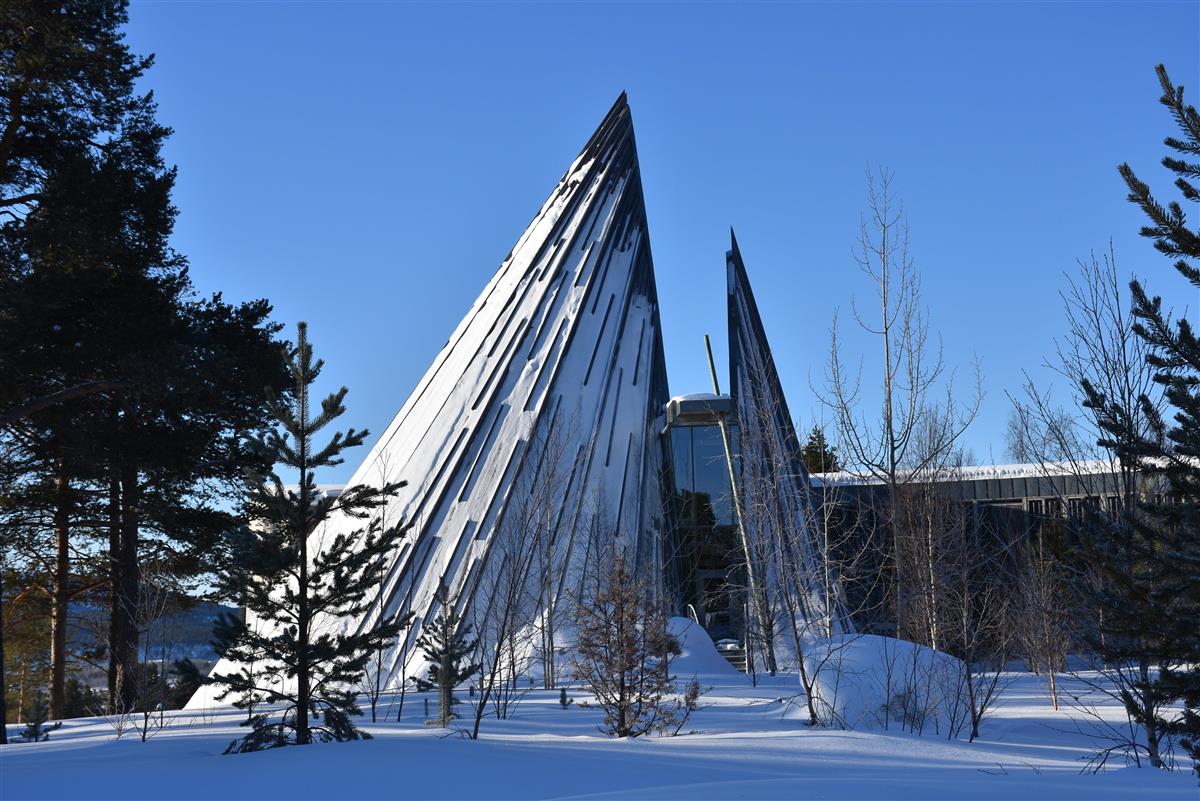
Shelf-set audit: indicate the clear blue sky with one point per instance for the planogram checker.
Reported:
(366, 166)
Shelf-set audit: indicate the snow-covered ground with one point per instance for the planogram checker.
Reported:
(744, 747)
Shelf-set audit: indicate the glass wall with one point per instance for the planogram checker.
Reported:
(706, 541)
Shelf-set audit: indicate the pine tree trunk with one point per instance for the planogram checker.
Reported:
(302, 675)
(61, 596)
(114, 583)
(445, 689)
(3, 678)
(303, 690)
(21, 692)
(125, 646)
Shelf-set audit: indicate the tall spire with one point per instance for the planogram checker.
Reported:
(558, 365)
(770, 448)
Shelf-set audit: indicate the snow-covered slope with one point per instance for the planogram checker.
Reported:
(743, 748)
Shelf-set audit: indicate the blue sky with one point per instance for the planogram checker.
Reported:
(366, 166)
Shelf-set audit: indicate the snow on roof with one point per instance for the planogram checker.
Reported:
(699, 396)
(1089, 467)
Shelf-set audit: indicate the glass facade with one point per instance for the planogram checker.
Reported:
(706, 543)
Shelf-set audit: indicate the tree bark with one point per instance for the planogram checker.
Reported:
(123, 633)
(61, 595)
(303, 690)
(3, 680)
(114, 582)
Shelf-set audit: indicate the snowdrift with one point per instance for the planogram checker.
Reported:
(863, 681)
(699, 655)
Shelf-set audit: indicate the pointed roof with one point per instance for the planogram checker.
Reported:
(558, 364)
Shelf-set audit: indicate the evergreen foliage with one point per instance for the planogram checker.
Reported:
(819, 456)
(622, 653)
(37, 715)
(127, 396)
(66, 79)
(446, 643)
(84, 702)
(296, 667)
(1150, 559)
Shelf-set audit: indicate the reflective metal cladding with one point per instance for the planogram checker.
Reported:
(554, 386)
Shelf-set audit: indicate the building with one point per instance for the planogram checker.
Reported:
(550, 402)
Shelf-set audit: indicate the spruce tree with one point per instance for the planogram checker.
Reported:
(297, 585)
(1152, 571)
(819, 456)
(446, 643)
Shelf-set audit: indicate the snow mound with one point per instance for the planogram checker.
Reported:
(699, 656)
(863, 681)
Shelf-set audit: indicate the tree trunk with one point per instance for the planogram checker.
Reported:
(3, 680)
(445, 690)
(114, 583)
(21, 692)
(898, 580)
(124, 633)
(302, 673)
(931, 568)
(61, 594)
(1153, 735)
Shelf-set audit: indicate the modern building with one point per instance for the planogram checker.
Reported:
(1051, 490)
(553, 391)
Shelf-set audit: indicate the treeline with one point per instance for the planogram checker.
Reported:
(125, 396)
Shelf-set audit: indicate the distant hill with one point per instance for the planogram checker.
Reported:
(184, 634)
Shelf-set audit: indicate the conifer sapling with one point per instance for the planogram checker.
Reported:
(296, 665)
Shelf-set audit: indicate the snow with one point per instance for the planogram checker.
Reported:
(745, 746)
(699, 656)
(983, 472)
(858, 679)
(699, 396)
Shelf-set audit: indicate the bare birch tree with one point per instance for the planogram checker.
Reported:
(516, 609)
(378, 668)
(781, 514)
(913, 377)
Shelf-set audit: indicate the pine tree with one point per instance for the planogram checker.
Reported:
(819, 456)
(67, 81)
(623, 650)
(297, 587)
(1152, 570)
(447, 644)
(66, 78)
(36, 718)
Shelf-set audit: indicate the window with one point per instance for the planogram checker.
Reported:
(711, 471)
